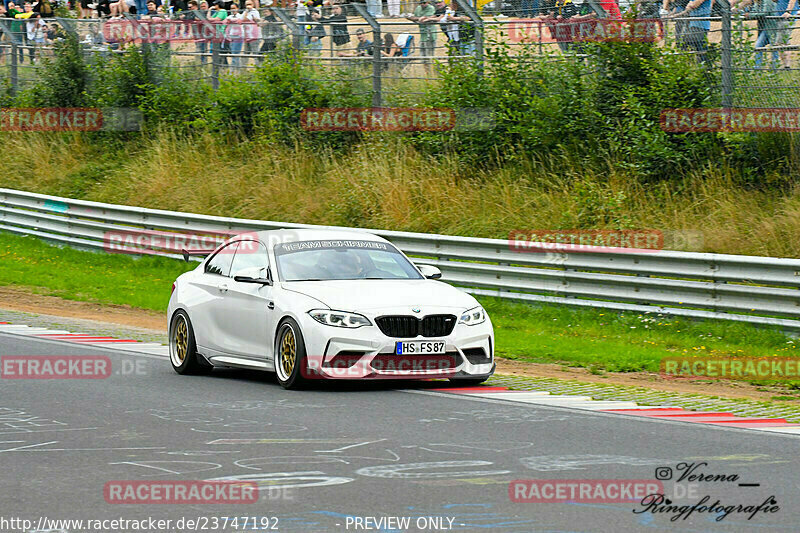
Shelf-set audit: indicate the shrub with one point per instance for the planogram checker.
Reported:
(63, 80)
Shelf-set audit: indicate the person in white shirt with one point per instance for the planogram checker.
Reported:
(35, 29)
(252, 31)
(234, 33)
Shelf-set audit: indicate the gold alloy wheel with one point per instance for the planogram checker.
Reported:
(181, 339)
(288, 352)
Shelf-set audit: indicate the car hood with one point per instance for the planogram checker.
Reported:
(374, 295)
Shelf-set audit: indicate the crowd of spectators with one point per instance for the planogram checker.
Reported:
(252, 27)
(27, 24)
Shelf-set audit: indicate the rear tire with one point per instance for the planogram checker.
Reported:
(290, 355)
(182, 347)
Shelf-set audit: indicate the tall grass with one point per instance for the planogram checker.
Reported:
(383, 182)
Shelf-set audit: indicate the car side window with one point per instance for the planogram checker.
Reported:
(220, 264)
(249, 254)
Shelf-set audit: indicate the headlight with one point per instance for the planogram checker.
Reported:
(474, 316)
(340, 319)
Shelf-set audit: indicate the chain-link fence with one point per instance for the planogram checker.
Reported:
(395, 50)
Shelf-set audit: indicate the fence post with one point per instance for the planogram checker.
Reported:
(479, 27)
(377, 61)
(725, 55)
(13, 69)
(293, 27)
(214, 66)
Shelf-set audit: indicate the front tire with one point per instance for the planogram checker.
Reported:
(290, 355)
(182, 347)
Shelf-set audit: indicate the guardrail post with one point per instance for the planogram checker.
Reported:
(377, 60)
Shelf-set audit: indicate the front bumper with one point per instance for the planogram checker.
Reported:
(366, 353)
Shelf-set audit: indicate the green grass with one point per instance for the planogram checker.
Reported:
(597, 339)
(143, 282)
(603, 340)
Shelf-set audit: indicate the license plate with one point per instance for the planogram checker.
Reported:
(419, 347)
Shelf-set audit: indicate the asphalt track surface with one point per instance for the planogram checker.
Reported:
(335, 453)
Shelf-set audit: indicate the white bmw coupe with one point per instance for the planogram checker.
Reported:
(325, 304)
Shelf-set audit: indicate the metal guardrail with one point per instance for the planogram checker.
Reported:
(761, 290)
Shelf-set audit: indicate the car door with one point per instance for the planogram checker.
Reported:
(206, 308)
(247, 309)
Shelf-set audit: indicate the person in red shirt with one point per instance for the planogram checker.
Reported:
(612, 9)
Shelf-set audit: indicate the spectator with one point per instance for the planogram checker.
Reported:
(216, 16)
(338, 22)
(460, 31)
(529, 8)
(19, 28)
(55, 33)
(43, 8)
(152, 10)
(2, 35)
(141, 7)
(103, 8)
(375, 8)
(612, 9)
(785, 9)
(363, 49)
(35, 33)
(671, 7)
(563, 14)
(94, 38)
(695, 38)
(234, 34)
(390, 48)
(271, 31)
(439, 10)
(394, 8)
(193, 17)
(314, 33)
(423, 16)
(84, 10)
(303, 13)
(763, 11)
(251, 19)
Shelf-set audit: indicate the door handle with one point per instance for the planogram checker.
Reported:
(271, 305)
(223, 288)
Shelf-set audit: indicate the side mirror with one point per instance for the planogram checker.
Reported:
(259, 275)
(429, 271)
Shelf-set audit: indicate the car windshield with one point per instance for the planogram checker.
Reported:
(342, 259)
